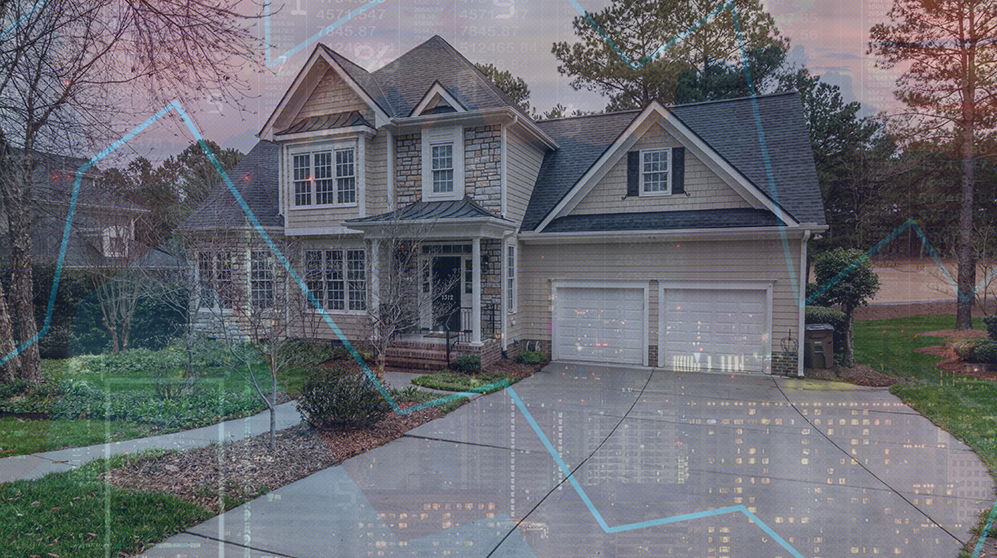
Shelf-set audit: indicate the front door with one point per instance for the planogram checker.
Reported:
(446, 293)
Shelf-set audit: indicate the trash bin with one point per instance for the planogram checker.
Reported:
(818, 346)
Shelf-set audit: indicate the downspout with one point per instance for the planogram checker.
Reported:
(803, 301)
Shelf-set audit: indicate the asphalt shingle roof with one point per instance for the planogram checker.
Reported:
(727, 126)
(435, 210)
(665, 220)
(406, 80)
(255, 177)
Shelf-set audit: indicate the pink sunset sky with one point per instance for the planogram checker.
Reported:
(829, 36)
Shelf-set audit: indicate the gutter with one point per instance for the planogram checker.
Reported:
(803, 301)
(660, 234)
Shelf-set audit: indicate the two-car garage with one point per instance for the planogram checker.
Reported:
(696, 326)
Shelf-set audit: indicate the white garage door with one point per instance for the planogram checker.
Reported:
(714, 329)
(604, 324)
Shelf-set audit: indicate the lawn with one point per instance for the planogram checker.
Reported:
(69, 514)
(453, 381)
(96, 399)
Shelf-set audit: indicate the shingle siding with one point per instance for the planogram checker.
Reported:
(333, 95)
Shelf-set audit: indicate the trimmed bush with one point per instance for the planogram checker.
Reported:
(824, 315)
(531, 357)
(986, 353)
(991, 323)
(341, 399)
(468, 364)
(966, 348)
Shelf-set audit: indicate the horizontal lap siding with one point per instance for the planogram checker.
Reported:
(704, 188)
(377, 174)
(740, 261)
(522, 168)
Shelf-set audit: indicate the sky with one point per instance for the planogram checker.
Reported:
(829, 36)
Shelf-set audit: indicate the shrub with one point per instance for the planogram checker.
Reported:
(991, 323)
(824, 315)
(339, 352)
(531, 357)
(341, 399)
(468, 364)
(985, 353)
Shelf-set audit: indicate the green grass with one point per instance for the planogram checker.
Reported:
(452, 381)
(76, 514)
(20, 436)
(966, 407)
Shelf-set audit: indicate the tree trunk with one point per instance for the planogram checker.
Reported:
(967, 259)
(848, 354)
(22, 285)
(273, 400)
(8, 370)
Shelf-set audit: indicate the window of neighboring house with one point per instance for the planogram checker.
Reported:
(115, 241)
(215, 279)
(334, 179)
(443, 168)
(654, 171)
(510, 278)
(261, 282)
(338, 283)
(302, 180)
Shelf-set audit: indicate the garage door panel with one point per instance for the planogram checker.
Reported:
(604, 324)
(714, 328)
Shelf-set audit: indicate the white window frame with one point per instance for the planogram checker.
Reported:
(511, 285)
(330, 148)
(217, 262)
(115, 232)
(431, 137)
(668, 174)
(269, 276)
(325, 274)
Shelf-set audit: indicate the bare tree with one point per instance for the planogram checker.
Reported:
(250, 297)
(69, 73)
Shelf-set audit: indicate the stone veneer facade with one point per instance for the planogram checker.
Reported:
(483, 167)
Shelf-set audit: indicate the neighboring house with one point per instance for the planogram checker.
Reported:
(103, 223)
(668, 236)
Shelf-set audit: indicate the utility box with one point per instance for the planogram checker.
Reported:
(818, 346)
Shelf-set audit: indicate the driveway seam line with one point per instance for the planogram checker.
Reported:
(573, 471)
(859, 463)
(461, 442)
(264, 550)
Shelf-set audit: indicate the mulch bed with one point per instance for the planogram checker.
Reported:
(953, 333)
(860, 374)
(950, 362)
(244, 469)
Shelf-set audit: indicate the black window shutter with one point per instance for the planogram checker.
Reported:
(633, 173)
(678, 170)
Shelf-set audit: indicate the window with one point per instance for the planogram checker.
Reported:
(261, 283)
(335, 180)
(115, 241)
(346, 180)
(443, 163)
(337, 287)
(215, 279)
(654, 175)
(302, 180)
(510, 278)
(443, 168)
(323, 178)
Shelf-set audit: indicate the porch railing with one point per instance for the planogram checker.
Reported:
(463, 335)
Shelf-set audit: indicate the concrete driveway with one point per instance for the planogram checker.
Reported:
(661, 464)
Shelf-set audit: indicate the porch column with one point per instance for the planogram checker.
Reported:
(375, 275)
(476, 292)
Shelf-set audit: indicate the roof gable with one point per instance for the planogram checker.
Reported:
(322, 61)
(793, 186)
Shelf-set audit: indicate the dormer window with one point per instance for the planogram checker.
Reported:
(322, 178)
(443, 163)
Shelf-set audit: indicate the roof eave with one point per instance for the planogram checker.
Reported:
(508, 114)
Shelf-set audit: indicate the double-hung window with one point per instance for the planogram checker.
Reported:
(325, 178)
(443, 168)
(215, 279)
(261, 281)
(654, 171)
(337, 278)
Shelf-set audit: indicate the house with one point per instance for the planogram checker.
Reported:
(103, 222)
(667, 236)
